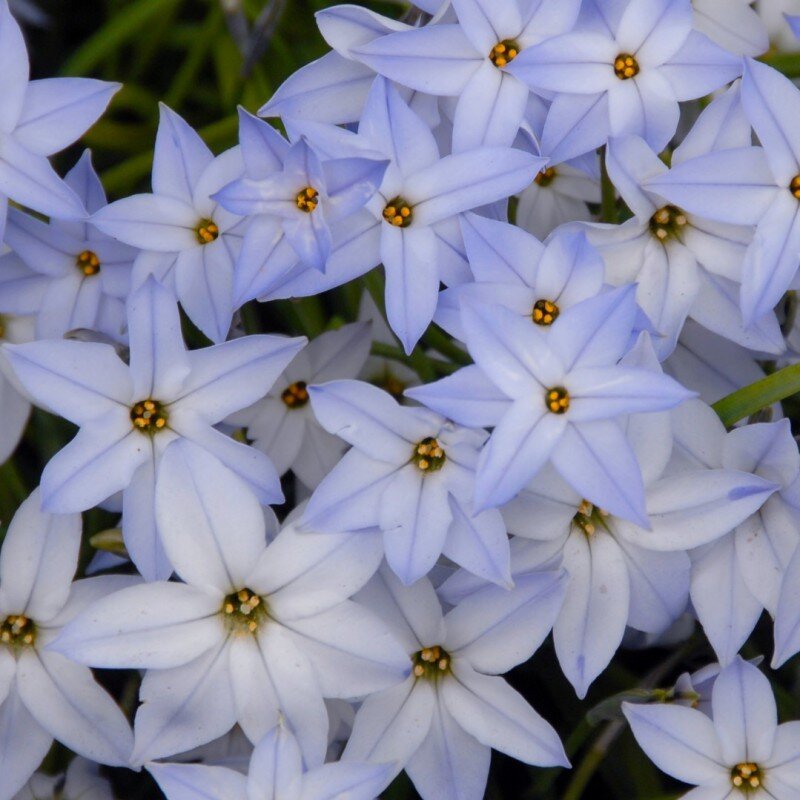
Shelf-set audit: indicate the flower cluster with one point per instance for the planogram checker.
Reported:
(569, 228)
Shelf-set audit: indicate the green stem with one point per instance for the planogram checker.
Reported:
(594, 757)
(437, 340)
(608, 204)
(751, 399)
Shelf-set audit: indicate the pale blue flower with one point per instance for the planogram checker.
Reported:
(623, 75)
(410, 474)
(276, 772)
(470, 61)
(72, 275)
(257, 631)
(188, 241)
(761, 187)
(441, 723)
(555, 397)
(740, 751)
(39, 118)
(44, 695)
(130, 415)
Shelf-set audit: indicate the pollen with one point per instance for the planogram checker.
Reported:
(557, 400)
(88, 263)
(207, 231)
(545, 177)
(626, 66)
(307, 199)
(149, 416)
(428, 455)
(545, 312)
(667, 223)
(746, 776)
(295, 395)
(503, 53)
(17, 630)
(398, 213)
(431, 662)
(589, 517)
(794, 186)
(244, 611)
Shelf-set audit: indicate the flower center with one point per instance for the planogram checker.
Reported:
(545, 312)
(17, 630)
(296, 395)
(667, 222)
(428, 455)
(503, 52)
(588, 517)
(88, 263)
(244, 611)
(794, 186)
(626, 66)
(207, 231)
(148, 416)
(431, 662)
(307, 199)
(398, 213)
(746, 776)
(557, 400)
(545, 177)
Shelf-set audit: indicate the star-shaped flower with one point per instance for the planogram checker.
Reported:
(556, 396)
(39, 118)
(188, 241)
(130, 414)
(43, 695)
(443, 720)
(623, 74)
(256, 631)
(410, 474)
(740, 752)
(74, 276)
(276, 772)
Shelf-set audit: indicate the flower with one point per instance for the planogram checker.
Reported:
(188, 241)
(741, 748)
(43, 695)
(277, 772)
(283, 424)
(761, 185)
(623, 75)
(411, 474)
(442, 721)
(73, 275)
(471, 61)
(40, 118)
(735, 25)
(556, 396)
(255, 630)
(130, 414)
(306, 194)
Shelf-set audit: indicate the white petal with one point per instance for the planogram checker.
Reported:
(495, 629)
(65, 699)
(184, 707)
(680, 741)
(592, 620)
(744, 712)
(38, 559)
(498, 716)
(20, 754)
(158, 625)
(198, 782)
(211, 525)
(391, 725)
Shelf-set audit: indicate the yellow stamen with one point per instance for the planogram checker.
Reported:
(626, 66)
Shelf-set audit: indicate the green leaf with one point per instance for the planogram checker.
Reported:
(751, 399)
(122, 27)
